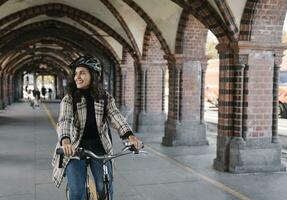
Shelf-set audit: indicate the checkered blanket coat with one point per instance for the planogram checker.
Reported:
(66, 128)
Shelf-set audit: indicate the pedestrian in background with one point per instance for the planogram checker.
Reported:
(36, 95)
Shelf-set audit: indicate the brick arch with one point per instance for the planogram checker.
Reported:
(126, 58)
(64, 10)
(61, 43)
(180, 31)
(193, 46)
(38, 29)
(229, 19)
(18, 66)
(67, 56)
(1, 89)
(152, 51)
(41, 29)
(259, 14)
(146, 39)
(268, 20)
(20, 61)
(101, 39)
(206, 14)
(54, 29)
(123, 24)
(150, 24)
(16, 62)
(247, 20)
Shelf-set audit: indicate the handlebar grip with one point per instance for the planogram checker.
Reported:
(60, 151)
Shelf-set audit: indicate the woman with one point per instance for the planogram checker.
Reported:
(83, 116)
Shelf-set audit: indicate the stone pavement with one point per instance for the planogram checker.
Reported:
(27, 140)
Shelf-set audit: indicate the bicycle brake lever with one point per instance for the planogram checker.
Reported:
(75, 158)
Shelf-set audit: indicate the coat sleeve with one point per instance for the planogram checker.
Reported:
(117, 120)
(65, 118)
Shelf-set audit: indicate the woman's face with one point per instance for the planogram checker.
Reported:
(82, 77)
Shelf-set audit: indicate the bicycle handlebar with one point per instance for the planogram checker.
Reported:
(82, 153)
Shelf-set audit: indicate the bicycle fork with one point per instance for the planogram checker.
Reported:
(106, 181)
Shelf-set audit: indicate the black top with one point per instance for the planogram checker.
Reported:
(91, 139)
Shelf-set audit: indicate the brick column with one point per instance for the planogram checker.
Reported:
(17, 89)
(152, 116)
(250, 145)
(225, 125)
(5, 91)
(10, 90)
(202, 96)
(2, 105)
(184, 125)
(127, 92)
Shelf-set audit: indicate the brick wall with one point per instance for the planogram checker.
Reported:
(194, 39)
(130, 81)
(154, 89)
(152, 51)
(155, 63)
(260, 96)
(268, 21)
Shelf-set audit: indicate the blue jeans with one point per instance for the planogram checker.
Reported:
(76, 175)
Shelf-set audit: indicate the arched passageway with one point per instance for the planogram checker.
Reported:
(142, 44)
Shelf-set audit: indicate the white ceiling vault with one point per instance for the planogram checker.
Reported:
(119, 17)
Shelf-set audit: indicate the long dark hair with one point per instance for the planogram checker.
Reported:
(96, 87)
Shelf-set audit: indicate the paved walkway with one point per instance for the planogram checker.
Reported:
(27, 139)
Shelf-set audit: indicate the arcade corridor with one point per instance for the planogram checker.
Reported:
(155, 57)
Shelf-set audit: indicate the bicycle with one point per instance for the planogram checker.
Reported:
(85, 154)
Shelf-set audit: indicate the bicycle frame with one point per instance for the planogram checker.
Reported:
(87, 154)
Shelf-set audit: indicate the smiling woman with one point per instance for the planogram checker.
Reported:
(83, 116)
(82, 78)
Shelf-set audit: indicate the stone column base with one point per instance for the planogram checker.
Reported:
(2, 105)
(188, 133)
(221, 161)
(254, 155)
(151, 123)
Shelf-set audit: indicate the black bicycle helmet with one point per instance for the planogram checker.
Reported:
(90, 62)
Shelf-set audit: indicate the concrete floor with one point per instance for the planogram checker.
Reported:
(27, 140)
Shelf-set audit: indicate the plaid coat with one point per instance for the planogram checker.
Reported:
(66, 128)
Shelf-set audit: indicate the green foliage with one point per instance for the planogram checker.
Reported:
(284, 37)
(210, 50)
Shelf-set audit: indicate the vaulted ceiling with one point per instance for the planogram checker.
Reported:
(64, 29)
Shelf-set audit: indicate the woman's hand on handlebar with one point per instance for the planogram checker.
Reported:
(134, 141)
(68, 149)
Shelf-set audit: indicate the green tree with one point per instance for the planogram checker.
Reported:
(284, 37)
(210, 50)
